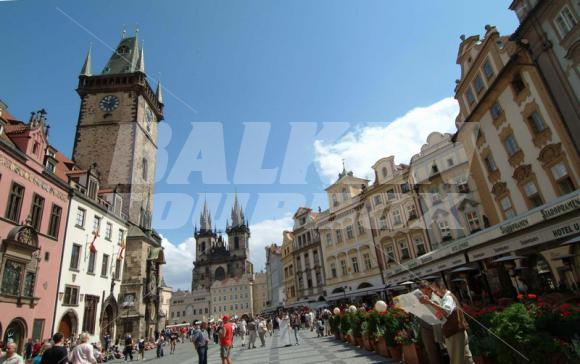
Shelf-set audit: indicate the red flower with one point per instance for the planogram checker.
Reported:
(531, 296)
(520, 296)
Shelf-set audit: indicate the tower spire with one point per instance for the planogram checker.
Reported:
(205, 219)
(141, 61)
(237, 213)
(86, 70)
(158, 93)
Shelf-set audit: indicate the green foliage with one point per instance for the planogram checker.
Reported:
(345, 325)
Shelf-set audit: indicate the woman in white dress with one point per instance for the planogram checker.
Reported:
(284, 322)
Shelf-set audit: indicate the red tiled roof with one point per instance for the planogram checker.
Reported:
(6, 116)
(63, 166)
(16, 128)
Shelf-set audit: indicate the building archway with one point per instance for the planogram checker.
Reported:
(108, 321)
(16, 331)
(364, 285)
(68, 324)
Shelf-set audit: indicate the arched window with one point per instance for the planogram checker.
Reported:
(203, 246)
(236, 242)
(220, 274)
(384, 171)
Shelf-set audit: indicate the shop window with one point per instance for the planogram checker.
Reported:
(14, 202)
(565, 183)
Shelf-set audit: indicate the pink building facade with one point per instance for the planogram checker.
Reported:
(34, 203)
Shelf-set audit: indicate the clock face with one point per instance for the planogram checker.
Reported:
(109, 103)
(148, 118)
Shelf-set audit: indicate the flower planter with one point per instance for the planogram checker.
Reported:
(367, 343)
(358, 341)
(411, 354)
(381, 347)
(396, 353)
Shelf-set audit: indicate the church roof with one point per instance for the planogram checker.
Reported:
(125, 59)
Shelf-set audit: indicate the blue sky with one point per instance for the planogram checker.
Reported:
(255, 70)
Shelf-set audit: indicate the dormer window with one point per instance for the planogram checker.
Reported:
(334, 200)
(384, 171)
(93, 188)
(123, 50)
(50, 166)
(35, 147)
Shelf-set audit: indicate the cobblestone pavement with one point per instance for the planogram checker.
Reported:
(310, 351)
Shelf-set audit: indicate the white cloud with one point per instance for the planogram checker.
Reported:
(402, 138)
(178, 263)
(265, 233)
(179, 258)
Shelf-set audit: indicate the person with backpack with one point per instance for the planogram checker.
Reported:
(200, 341)
(141, 348)
(252, 331)
(58, 353)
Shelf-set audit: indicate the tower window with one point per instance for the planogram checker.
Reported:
(144, 168)
(236, 243)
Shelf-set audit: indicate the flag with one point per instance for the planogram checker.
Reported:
(92, 247)
(121, 250)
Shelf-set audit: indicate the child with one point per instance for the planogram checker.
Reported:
(319, 328)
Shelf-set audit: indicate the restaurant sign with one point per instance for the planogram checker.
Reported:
(561, 208)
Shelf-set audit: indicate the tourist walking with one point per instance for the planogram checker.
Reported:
(58, 353)
(83, 352)
(11, 357)
(159, 343)
(269, 326)
(262, 330)
(226, 340)
(284, 325)
(128, 352)
(295, 323)
(200, 339)
(252, 333)
(141, 347)
(243, 331)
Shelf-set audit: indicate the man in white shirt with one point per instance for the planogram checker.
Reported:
(454, 324)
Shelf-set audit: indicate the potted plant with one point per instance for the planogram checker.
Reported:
(393, 323)
(357, 319)
(407, 337)
(345, 326)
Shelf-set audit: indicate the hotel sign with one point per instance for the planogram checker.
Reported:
(561, 208)
(567, 228)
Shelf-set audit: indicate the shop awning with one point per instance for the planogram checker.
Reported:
(572, 241)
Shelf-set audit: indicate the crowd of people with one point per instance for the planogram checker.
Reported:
(246, 331)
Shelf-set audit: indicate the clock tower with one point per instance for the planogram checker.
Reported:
(117, 128)
(117, 131)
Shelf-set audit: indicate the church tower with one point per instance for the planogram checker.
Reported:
(117, 131)
(238, 232)
(117, 128)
